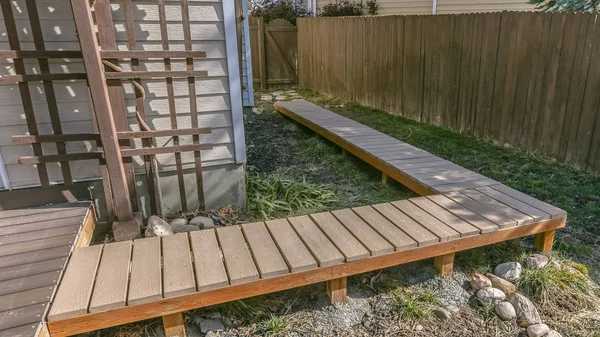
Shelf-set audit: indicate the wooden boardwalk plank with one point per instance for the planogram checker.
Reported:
(38, 235)
(452, 221)
(210, 270)
(112, 279)
(420, 234)
(554, 212)
(345, 242)
(484, 225)
(265, 252)
(36, 226)
(26, 298)
(36, 245)
(465, 185)
(485, 211)
(426, 220)
(75, 289)
(389, 231)
(34, 256)
(21, 316)
(514, 203)
(12, 213)
(238, 260)
(376, 244)
(41, 217)
(520, 217)
(24, 270)
(29, 282)
(145, 284)
(27, 330)
(297, 257)
(178, 276)
(322, 249)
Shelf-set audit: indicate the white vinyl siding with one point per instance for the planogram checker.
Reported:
(407, 7)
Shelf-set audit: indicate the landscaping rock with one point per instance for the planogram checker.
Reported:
(536, 261)
(479, 281)
(553, 333)
(537, 330)
(502, 284)
(266, 98)
(490, 296)
(419, 328)
(442, 314)
(510, 271)
(527, 314)
(157, 227)
(282, 98)
(202, 222)
(505, 311)
(185, 229)
(212, 322)
(452, 309)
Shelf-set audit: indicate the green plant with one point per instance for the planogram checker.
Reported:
(343, 8)
(567, 5)
(274, 325)
(279, 9)
(487, 312)
(412, 306)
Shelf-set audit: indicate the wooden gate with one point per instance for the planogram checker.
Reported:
(274, 49)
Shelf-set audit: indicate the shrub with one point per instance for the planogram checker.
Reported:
(278, 9)
(347, 8)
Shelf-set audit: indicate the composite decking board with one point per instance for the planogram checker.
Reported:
(29, 246)
(21, 316)
(555, 212)
(319, 245)
(435, 169)
(238, 260)
(39, 234)
(34, 256)
(451, 220)
(41, 217)
(435, 226)
(521, 218)
(417, 232)
(435, 181)
(402, 156)
(345, 242)
(484, 210)
(389, 231)
(376, 244)
(29, 282)
(293, 250)
(145, 284)
(36, 226)
(484, 225)
(442, 174)
(75, 289)
(23, 270)
(12, 213)
(112, 278)
(27, 330)
(208, 263)
(465, 185)
(178, 276)
(266, 255)
(26, 298)
(433, 163)
(520, 206)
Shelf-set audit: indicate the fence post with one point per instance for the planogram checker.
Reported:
(262, 54)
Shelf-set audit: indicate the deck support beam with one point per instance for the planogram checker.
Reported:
(336, 290)
(544, 241)
(344, 153)
(174, 325)
(444, 264)
(384, 178)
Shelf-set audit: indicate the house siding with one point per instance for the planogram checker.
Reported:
(408, 7)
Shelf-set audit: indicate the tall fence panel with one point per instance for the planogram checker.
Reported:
(523, 79)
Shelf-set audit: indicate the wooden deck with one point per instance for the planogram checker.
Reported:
(35, 245)
(419, 170)
(124, 282)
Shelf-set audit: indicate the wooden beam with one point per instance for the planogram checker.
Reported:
(336, 290)
(70, 137)
(55, 158)
(544, 241)
(37, 54)
(103, 111)
(167, 149)
(162, 133)
(156, 74)
(150, 54)
(261, 54)
(196, 300)
(444, 264)
(174, 325)
(41, 77)
(384, 178)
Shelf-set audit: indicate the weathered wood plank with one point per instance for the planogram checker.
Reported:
(484, 225)
(112, 279)
(395, 236)
(23, 247)
(26, 298)
(547, 208)
(297, 257)
(500, 219)
(21, 316)
(145, 284)
(322, 249)
(376, 244)
(29, 282)
(35, 256)
(426, 220)
(452, 221)
(178, 274)
(345, 242)
(238, 260)
(417, 232)
(210, 270)
(23, 270)
(520, 217)
(265, 252)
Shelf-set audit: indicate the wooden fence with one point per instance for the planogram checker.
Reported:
(528, 80)
(274, 50)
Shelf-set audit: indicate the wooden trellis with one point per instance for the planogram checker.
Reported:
(105, 79)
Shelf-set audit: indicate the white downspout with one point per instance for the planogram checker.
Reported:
(4, 175)
(314, 7)
(434, 7)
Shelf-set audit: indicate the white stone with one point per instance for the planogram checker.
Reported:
(212, 322)
(510, 271)
(527, 313)
(442, 314)
(419, 328)
(537, 330)
(490, 296)
(505, 311)
(179, 222)
(553, 333)
(185, 229)
(202, 222)
(479, 282)
(266, 98)
(158, 227)
(536, 261)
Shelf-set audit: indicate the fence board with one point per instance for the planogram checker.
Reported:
(521, 79)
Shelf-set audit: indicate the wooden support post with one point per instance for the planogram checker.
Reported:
(444, 264)
(384, 178)
(174, 325)
(103, 112)
(543, 241)
(336, 290)
(344, 153)
(261, 54)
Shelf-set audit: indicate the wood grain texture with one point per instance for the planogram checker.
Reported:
(485, 211)
(238, 260)
(337, 290)
(37, 245)
(75, 289)
(426, 220)
(344, 241)
(417, 232)
(208, 263)
(533, 212)
(452, 221)
(146, 282)
(483, 224)
(22, 316)
(395, 236)
(376, 244)
(23, 270)
(444, 264)
(266, 255)
(174, 325)
(552, 210)
(319, 245)
(112, 279)
(178, 274)
(295, 253)
(26, 298)
(520, 217)
(29, 282)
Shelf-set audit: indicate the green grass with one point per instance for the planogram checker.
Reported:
(414, 305)
(273, 326)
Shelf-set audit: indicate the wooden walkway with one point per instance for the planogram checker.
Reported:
(118, 283)
(35, 244)
(419, 170)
